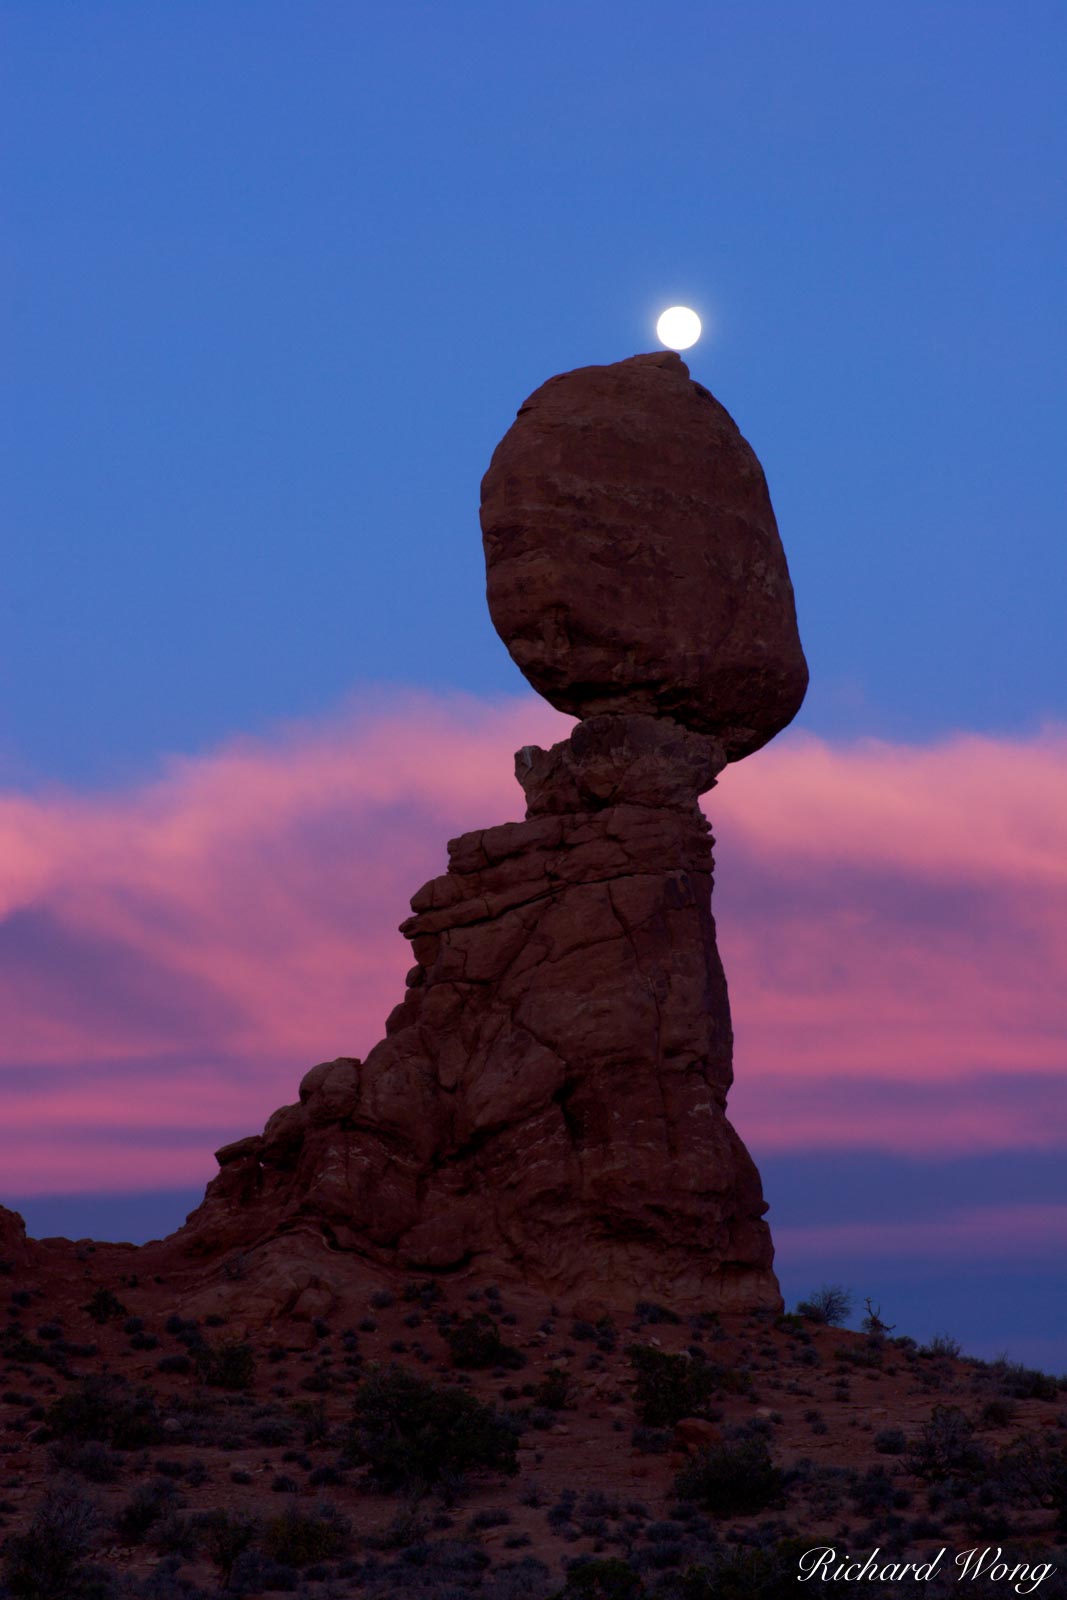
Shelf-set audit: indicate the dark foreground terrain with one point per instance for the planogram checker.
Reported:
(448, 1440)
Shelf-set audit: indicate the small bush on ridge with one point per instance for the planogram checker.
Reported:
(829, 1305)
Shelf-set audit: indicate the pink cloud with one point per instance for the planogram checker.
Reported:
(1014, 1232)
(174, 955)
(986, 1111)
(897, 911)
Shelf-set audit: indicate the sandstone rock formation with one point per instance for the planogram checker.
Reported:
(633, 558)
(548, 1103)
(15, 1249)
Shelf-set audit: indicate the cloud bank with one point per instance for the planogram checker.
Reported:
(173, 956)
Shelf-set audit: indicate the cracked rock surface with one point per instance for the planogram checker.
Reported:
(549, 1100)
(548, 1103)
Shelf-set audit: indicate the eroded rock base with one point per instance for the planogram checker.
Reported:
(548, 1103)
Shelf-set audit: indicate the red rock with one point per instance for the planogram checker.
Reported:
(549, 1101)
(633, 558)
(694, 1434)
(15, 1249)
(588, 1309)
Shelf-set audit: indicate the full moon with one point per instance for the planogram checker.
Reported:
(678, 328)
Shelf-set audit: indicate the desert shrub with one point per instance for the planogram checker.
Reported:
(47, 1561)
(734, 1479)
(490, 1517)
(1031, 1471)
(610, 1579)
(107, 1409)
(942, 1345)
(873, 1323)
(945, 1447)
(297, 1538)
(555, 1390)
(314, 1423)
(998, 1413)
(789, 1322)
(745, 1574)
(271, 1431)
(224, 1537)
(648, 1311)
(816, 1421)
(412, 1433)
(147, 1506)
(176, 1535)
(475, 1343)
(79, 1352)
(408, 1527)
(20, 1351)
(665, 1547)
(174, 1364)
(229, 1365)
(1017, 1382)
(256, 1574)
(425, 1291)
(875, 1492)
(539, 1417)
(829, 1305)
(870, 1354)
(598, 1504)
(89, 1459)
(890, 1442)
(103, 1306)
(322, 1382)
(563, 1510)
(672, 1387)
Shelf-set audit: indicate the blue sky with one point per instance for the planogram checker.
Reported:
(275, 279)
(277, 276)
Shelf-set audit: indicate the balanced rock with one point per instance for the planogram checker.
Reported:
(549, 1101)
(633, 557)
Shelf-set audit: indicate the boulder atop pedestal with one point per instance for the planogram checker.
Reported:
(633, 557)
